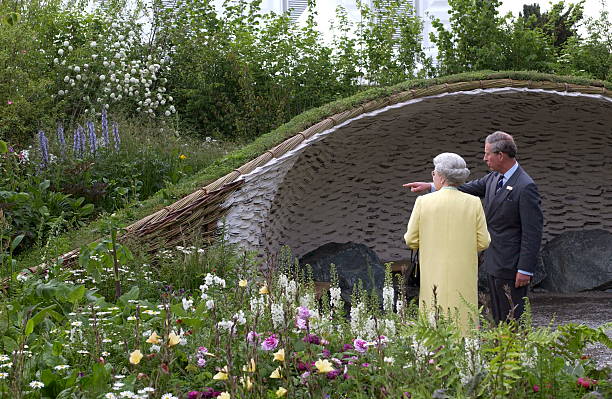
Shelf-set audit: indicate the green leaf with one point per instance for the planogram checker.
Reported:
(57, 348)
(193, 322)
(37, 318)
(44, 185)
(10, 345)
(3, 147)
(130, 295)
(16, 241)
(86, 209)
(77, 294)
(178, 310)
(11, 19)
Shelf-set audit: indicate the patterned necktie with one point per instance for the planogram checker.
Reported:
(500, 183)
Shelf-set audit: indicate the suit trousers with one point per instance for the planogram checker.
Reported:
(507, 302)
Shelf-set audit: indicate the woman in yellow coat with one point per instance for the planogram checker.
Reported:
(449, 229)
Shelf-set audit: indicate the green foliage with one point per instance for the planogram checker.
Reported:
(590, 57)
(24, 77)
(39, 202)
(479, 38)
(476, 38)
(558, 24)
(242, 73)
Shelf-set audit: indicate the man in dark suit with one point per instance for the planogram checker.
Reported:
(515, 222)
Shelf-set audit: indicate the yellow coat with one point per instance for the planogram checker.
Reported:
(449, 229)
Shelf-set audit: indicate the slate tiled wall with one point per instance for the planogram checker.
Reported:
(348, 186)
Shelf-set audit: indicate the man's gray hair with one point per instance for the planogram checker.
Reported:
(452, 167)
(502, 142)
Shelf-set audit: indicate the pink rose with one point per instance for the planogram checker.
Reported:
(270, 343)
(360, 345)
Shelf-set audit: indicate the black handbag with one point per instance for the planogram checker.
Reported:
(414, 273)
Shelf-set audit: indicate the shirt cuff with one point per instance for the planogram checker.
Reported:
(433, 188)
(524, 272)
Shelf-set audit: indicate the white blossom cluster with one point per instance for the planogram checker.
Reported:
(229, 325)
(210, 280)
(278, 314)
(472, 363)
(362, 324)
(420, 350)
(258, 304)
(287, 286)
(388, 298)
(336, 297)
(115, 73)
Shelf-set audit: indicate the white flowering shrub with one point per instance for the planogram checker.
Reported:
(100, 61)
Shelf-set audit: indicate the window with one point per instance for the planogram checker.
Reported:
(403, 7)
(296, 8)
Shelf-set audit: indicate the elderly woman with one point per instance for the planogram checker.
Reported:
(449, 229)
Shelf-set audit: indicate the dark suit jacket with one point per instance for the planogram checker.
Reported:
(515, 222)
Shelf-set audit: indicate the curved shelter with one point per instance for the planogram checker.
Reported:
(341, 179)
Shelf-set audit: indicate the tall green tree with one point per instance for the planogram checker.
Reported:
(558, 25)
(590, 56)
(476, 38)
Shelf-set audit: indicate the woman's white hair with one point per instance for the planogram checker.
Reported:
(452, 167)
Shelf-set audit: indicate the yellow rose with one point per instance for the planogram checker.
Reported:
(324, 366)
(250, 368)
(173, 339)
(264, 290)
(221, 375)
(246, 383)
(224, 395)
(242, 283)
(153, 339)
(135, 356)
(276, 373)
(280, 356)
(280, 392)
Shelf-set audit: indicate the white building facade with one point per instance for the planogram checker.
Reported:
(326, 12)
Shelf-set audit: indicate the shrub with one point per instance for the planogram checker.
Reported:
(58, 186)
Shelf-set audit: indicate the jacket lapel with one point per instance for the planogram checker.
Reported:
(499, 198)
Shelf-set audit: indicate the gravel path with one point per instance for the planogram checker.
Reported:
(590, 308)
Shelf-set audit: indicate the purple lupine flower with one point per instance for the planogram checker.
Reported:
(43, 144)
(61, 139)
(93, 145)
(83, 139)
(116, 138)
(200, 356)
(105, 138)
(75, 142)
(78, 143)
(270, 343)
